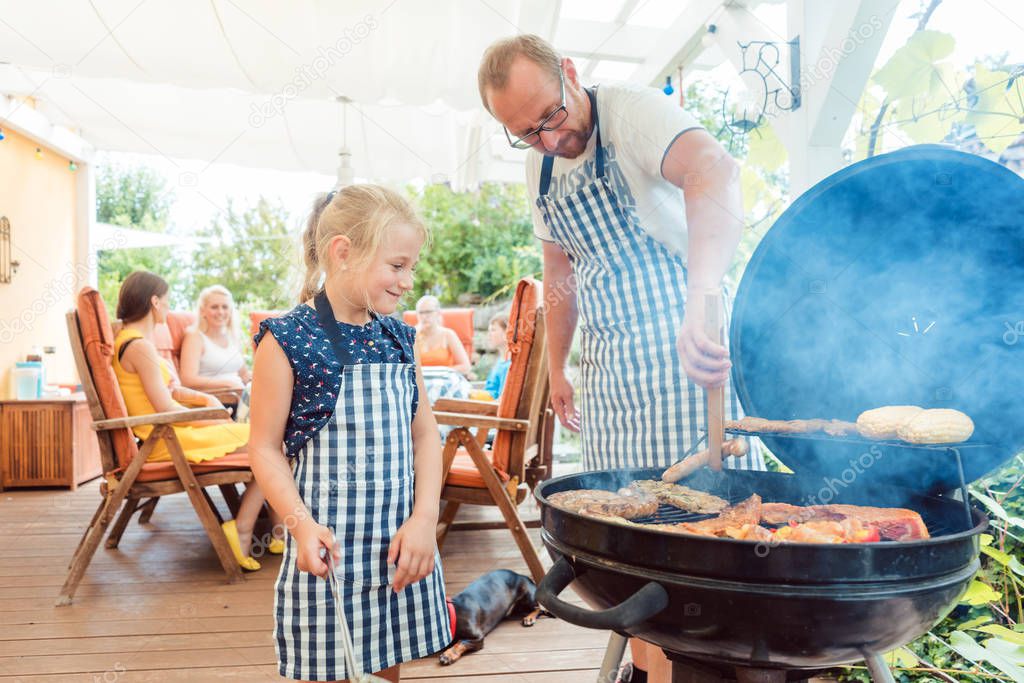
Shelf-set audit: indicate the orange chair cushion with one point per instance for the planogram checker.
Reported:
(522, 322)
(98, 343)
(458, 319)
(464, 471)
(163, 471)
(256, 317)
(170, 335)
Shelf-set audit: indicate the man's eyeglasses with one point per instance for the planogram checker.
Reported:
(551, 122)
(428, 311)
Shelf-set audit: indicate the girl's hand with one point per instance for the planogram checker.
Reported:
(245, 375)
(310, 537)
(413, 546)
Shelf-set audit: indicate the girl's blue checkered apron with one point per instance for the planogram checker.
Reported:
(638, 409)
(356, 477)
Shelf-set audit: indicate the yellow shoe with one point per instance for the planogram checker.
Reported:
(276, 546)
(231, 533)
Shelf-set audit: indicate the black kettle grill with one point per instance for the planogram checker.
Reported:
(898, 280)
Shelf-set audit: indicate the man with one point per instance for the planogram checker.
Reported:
(637, 206)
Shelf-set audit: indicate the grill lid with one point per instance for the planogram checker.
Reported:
(898, 280)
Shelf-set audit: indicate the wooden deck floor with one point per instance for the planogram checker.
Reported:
(157, 609)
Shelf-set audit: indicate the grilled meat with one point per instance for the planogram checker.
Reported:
(760, 424)
(747, 512)
(892, 524)
(628, 503)
(681, 497)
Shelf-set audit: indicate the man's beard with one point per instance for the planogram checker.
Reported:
(572, 146)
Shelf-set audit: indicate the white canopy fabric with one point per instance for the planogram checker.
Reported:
(255, 82)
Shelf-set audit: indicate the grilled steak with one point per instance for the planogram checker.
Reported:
(892, 524)
(747, 512)
(681, 497)
(626, 503)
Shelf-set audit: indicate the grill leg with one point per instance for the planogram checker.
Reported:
(877, 669)
(612, 658)
(747, 675)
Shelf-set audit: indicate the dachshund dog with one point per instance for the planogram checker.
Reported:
(486, 603)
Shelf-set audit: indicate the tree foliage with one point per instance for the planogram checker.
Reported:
(252, 253)
(138, 198)
(481, 242)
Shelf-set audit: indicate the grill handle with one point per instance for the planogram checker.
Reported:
(642, 605)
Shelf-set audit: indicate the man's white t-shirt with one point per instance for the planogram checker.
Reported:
(638, 125)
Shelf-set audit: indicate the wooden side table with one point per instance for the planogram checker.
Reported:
(47, 442)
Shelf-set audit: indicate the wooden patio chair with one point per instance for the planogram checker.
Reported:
(503, 475)
(130, 483)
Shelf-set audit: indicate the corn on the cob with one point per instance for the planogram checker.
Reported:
(882, 423)
(939, 425)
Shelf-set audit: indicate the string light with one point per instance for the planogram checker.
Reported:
(39, 153)
(72, 166)
(668, 89)
(2, 136)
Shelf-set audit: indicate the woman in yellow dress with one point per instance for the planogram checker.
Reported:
(149, 385)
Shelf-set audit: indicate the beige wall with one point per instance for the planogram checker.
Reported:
(38, 196)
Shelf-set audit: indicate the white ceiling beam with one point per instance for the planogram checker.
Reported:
(610, 40)
(539, 17)
(667, 52)
(835, 78)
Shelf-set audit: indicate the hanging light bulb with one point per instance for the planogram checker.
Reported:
(72, 166)
(668, 89)
(2, 136)
(346, 175)
(39, 153)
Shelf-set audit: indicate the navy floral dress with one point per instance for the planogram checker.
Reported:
(316, 370)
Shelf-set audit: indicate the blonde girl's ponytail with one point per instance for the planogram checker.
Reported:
(310, 256)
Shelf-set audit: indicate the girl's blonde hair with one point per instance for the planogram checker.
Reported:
(204, 295)
(363, 213)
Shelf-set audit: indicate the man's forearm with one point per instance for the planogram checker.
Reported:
(714, 218)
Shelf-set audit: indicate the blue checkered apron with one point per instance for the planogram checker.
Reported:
(637, 407)
(356, 477)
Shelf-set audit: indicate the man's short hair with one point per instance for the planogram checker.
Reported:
(498, 58)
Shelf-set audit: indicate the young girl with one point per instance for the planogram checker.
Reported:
(497, 335)
(336, 382)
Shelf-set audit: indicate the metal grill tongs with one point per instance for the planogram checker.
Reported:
(352, 667)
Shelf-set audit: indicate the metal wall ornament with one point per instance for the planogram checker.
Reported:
(8, 266)
(747, 110)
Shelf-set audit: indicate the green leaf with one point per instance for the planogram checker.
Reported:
(1003, 633)
(968, 648)
(1005, 648)
(998, 510)
(967, 625)
(986, 539)
(998, 112)
(912, 68)
(901, 656)
(999, 556)
(979, 593)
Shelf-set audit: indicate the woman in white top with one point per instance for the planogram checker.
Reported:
(211, 352)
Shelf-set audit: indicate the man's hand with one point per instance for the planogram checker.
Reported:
(705, 361)
(562, 401)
